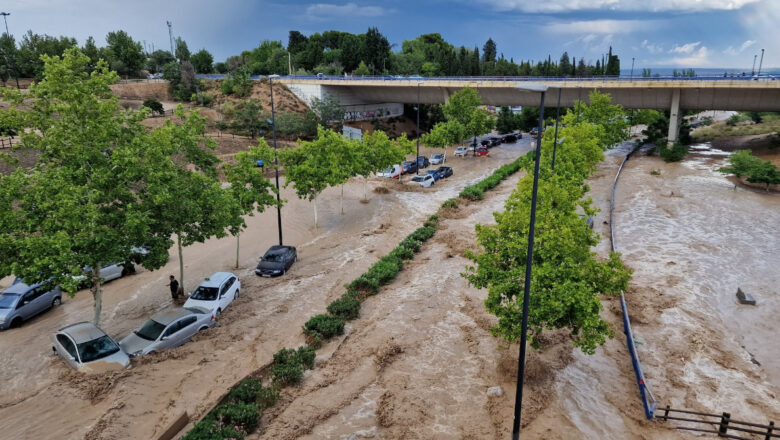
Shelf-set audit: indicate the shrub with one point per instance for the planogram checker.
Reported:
(402, 253)
(305, 356)
(471, 192)
(385, 270)
(154, 105)
(432, 222)
(287, 373)
(247, 390)
(410, 244)
(267, 397)
(245, 415)
(346, 307)
(450, 203)
(364, 284)
(675, 153)
(210, 429)
(325, 325)
(422, 234)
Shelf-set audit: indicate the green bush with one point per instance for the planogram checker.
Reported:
(385, 270)
(267, 397)
(287, 374)
(364, 284)
(402, 253)
(210, 429)
(471, 192)
(422, 234)
(305, 356)
(410, 244)
(244, 415)
(325, 325)
(450, 203)
(346, 308)
(247, 390)
(432, 222)
(675, 153)
(154, 105)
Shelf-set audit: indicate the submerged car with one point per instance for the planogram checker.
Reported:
(87, 348)
(424, 180)
(482, 151)
(438, 159)
(435, 174)
(21, 302)
(393, 172)
(108, 272)
(276, 261)
(444, 172)
(215, 293)
(460, 151)
(167, 329)
(423, 162)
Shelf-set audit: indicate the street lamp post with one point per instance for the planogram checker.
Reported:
(527, 287)
(632, 68)
(276, 159)
(417, 159)
(761, 63)
(753, 71)
(6, 14)
(557, 117)
(16, 74)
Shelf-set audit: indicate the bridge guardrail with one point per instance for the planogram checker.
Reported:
(509, 78)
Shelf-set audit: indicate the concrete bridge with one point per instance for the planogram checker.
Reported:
(700, 93)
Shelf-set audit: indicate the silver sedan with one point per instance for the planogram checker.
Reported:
(167, 329)
(87, 348)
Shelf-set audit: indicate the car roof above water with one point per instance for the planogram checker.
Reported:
(216, 279)
(83, 332)
(167, 316)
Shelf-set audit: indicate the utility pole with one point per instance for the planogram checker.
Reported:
(16, 74)
(5, 14)
(632, 68)
(170, 35)
(761, 63)
(753, 71)
(289, 63)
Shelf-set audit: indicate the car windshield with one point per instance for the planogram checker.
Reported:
(150, 331)
(97, 349)
(418, 179)
(389, 170)
(8, 300)
(274, 257)
(437, 156)
(204, 293)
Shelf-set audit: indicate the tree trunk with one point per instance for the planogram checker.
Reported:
(181, 262)
(97, 294)
(365, 188)
(315, 212)
(238, 243)
(342, 199)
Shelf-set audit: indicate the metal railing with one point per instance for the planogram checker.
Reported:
(721, 424)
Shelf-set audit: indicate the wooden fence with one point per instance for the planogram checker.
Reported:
(720, 424)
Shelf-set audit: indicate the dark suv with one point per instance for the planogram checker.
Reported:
(409, 167)
(276, 261)
(423, 162)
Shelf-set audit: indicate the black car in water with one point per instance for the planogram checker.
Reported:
(409, 166)
(444, 172)
(423, 162)
(276, 261)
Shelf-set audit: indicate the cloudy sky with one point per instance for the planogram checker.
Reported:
(657, 33)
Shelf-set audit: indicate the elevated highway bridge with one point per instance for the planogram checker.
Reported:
(381, 96)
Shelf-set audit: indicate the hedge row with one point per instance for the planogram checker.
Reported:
(239, 414)
(477, 190)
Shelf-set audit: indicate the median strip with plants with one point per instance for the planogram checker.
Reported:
(238, 414)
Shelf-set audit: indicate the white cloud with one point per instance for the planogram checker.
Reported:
(652, 47)
(598, 27)
(553, 6)
(732, 51)
(327, 10)
(595, 43)
(693, 58)
(685, 48)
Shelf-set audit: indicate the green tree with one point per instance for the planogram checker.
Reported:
(611, 119)
(507, 121)
(329, 111)
(96, 189)
(376, 50)
(33, 46)
(202, 61)
(182, 51)
(126, 55)
(306, 168)
(246, 117)
(378, 152)
(158, 59)
(362, 69)
(238, 82)
(8, 55)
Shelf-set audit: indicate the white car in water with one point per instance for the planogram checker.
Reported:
(438, 158)
(393, 172)
(424, 180)
(215, 293)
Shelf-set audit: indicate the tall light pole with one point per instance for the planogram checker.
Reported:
(557, 117)
(753, 71)
(632, 68)
(761, 63)
(530, 87)
(5, 55)
(6, 14)
(417, 159)
(276, 159)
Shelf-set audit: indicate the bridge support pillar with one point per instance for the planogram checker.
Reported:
(674, 119)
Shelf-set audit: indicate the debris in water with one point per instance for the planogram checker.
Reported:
(745, 298)
(495, 391)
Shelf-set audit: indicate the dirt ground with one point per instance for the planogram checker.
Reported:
(419, 360)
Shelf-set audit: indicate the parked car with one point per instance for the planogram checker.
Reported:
(485, 142)
(393, 172)
(108, 272)
(424, 180)
(482, 151)
(215, 293)
(167, 329)
(460, 152)
(21, 302)
(87, 348)
(423, 162)
(534, 131)
(510, 138)
(276, 261)
(409, 167)
(438, 158)
(435, 174)
(444, 172)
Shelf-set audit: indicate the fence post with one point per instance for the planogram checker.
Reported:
(769, 430)
(724, 424)
(666, 413)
